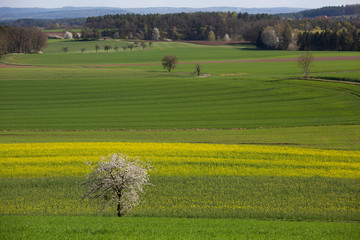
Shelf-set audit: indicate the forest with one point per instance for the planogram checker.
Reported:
(268, 31)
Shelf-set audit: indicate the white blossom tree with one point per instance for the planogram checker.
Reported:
(68, 35)
(156, 34)
(117, 179)
(270, 38)
(226, 37)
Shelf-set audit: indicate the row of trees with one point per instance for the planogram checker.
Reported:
(64, 23)
(342, 40)
(143, 45)
(21, 40)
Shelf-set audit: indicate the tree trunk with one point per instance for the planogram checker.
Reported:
(119, 210)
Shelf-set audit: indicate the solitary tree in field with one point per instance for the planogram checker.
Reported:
(305, 60)
(107, 48)
(83, 50)
(65, 49)
(169, 62)
(117, 179)
(197, 69)
(97, 47)
(116, 48)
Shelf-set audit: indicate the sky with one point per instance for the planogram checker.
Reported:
(176, 3)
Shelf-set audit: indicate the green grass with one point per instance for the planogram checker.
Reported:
(323, 137)
(54, 56)
(62, 227)
(242, 197)
(124, 99)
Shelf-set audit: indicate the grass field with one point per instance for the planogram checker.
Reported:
(129, 99)
(249, 141)
(327, 137)
(62, 227)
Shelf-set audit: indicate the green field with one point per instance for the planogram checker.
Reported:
(89, 97)
(61, 227)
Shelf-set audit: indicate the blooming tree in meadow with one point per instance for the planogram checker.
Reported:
(117, 179)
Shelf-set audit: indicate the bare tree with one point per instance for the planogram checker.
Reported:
(97, 47)
(21, 40)
(107, 48)
(83, 50)
(65, 49)
(305, 60)
(117, 179)
(169, 62)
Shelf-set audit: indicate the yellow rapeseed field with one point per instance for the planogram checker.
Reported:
(179, 159)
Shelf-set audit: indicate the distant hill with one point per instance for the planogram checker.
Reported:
(164, 10)
(341, 11)
(55, 13)
(84, 12)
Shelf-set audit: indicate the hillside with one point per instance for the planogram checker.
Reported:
(84, 12)
(330, 11)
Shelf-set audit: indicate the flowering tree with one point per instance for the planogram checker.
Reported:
(117, 179)
(226, 37)
(156, 34)
(269, 38)
(68, 35)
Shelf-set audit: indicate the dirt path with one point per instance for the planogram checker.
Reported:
(339, 58)
(329, 80)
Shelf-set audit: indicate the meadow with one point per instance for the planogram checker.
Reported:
(234, 152)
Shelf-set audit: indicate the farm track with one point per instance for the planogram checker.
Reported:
(339, 58)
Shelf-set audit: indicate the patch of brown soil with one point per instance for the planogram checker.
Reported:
(213, 43)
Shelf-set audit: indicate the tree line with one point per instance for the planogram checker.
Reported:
(21, 40)
(182, 26)
(341, 40)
